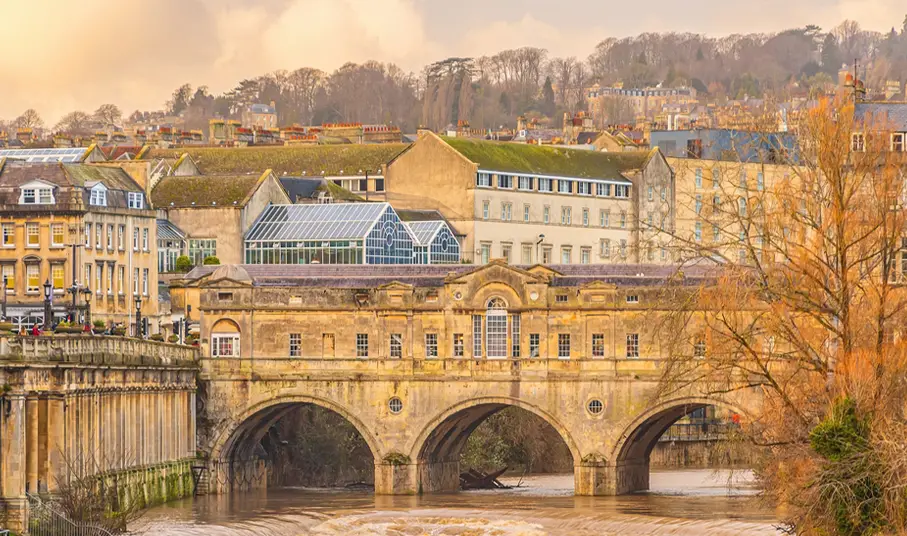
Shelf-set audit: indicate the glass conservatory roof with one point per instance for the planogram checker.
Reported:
(424, 231)
(68, 154)
(344, 221)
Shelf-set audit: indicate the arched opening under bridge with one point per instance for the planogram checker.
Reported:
(294, 443)
(485, 436)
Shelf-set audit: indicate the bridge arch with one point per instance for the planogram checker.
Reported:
(630, 455)
(233, 451)
(437, 447)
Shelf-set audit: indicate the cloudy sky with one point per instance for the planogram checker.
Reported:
(62, 55)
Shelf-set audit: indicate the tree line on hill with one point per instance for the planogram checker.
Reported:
(491, 91)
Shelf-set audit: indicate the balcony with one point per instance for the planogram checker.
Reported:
(96, 350)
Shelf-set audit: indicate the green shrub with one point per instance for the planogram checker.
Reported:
(183, 264)
(212, 260)
(99, 324)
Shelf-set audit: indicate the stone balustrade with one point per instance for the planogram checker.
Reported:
(96, 350)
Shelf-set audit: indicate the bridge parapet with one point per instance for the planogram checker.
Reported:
(290, 368)
(96, 350)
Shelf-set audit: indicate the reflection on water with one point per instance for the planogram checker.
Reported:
(684, 502)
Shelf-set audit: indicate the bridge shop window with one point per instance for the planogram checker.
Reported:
(431, 345)
(458, 345)
(563, 346)
(295, 345)
(533, 345)
(225, 345)
(598, 345)
(632, 344)
(496, 329)
(396, 345)
(362, 345)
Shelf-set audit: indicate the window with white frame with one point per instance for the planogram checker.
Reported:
(602, 190)
(483, 180)
(544, 185)
(566, 215)
(57, 234)
(598, 345)
(145, 281)
(295, 344)
(135, 281)
(396, 345)
(699, 347)
(121, 280)
(604, 248)
(585, 255)
(136, 200)
(858, 142)
(515, 336)
(458, 346)
(362, 345)
(32, 235)
(585, 217)
(564, 186)
(546, 215)
(534, 342)
(897, 142)
(563, 346)
(98, 196)
(9, 235)
(476, 336)
(496, 329)
(110, 237)
(135, 239)
(145, 239)
(485, 209)
(623, 220)
(583, 188)
(225, 345)
(87, 236)
(505, 181)
(506, 211)
(9, 276)
(632, 344)
(566, 255)
(121, 237)
(632, 298)
(431, 345)
(525, 183)
(99, 235)
(58, 277)
(526, 213)
(32, 278)
(36, 195)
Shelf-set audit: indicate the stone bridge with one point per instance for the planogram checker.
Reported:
(416, 415)
(75, 406)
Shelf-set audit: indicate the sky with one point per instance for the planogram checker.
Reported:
(65, 55)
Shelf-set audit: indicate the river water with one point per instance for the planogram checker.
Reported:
(680, 502)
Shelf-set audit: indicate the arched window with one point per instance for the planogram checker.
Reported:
(225, 339)
(496, 329)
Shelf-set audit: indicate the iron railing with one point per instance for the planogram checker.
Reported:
(46, 519)
(699, 430)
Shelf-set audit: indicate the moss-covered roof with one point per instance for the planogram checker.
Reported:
(340, 193)
(112, 177)
(541, 160)
(311, 160)
(203, 190)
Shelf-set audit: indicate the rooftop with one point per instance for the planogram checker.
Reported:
(308, 160)
(892, 114)
(540, 160)
(204, 190)
(308, 188)
(345, 221)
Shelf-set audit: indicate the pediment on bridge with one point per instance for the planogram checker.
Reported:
(541, 269)
(496, 270)
(395, 286)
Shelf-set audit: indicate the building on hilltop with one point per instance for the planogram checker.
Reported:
(263, 116)
(77, 226)
(531, 204)
(727, 144)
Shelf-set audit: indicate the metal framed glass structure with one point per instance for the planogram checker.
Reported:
(434, 243)
(67, 154)
(346, 233)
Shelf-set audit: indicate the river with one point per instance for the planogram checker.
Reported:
(680, 502)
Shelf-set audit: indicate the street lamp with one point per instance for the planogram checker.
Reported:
(139, 332)
(86, 294)
(48, 293)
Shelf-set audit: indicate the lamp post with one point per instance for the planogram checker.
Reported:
(139, 332)
(3, 303)
(48, 293)
(86, 293)
(185, 333)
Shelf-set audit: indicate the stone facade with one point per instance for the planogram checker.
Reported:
(415, 357)
(528, 225)
(74, 406)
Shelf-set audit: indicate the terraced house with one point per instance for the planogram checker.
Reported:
(529, 204)
(81, 224)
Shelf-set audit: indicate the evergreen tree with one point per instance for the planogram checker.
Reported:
(548, 98)
(831, 54)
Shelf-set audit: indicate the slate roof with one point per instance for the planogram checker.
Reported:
(203, 190)
(553, 161)
(585, 138)
(308, 188)
(429, 275)
(893, 113)
(307, 160)
(69, 180)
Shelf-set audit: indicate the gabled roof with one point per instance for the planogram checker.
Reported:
(550, 161)
(425, 231)
(311, 160)
(343, 221)
(69, 180)
(205, 190)
(168, 231)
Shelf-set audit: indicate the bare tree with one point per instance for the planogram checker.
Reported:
(29, 119)
(108, 114)
(76, 122)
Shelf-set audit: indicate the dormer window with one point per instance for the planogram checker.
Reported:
(136, 200)
(36, 193)
(98, 196)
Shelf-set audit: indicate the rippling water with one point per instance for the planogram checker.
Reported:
(685, 502)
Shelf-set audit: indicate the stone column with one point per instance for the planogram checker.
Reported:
(31, 444)
(396, 479)
(600, 478)
(54, 470)
(12, 452)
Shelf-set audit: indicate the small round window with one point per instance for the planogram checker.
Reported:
(395, 405)
(595, 406)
